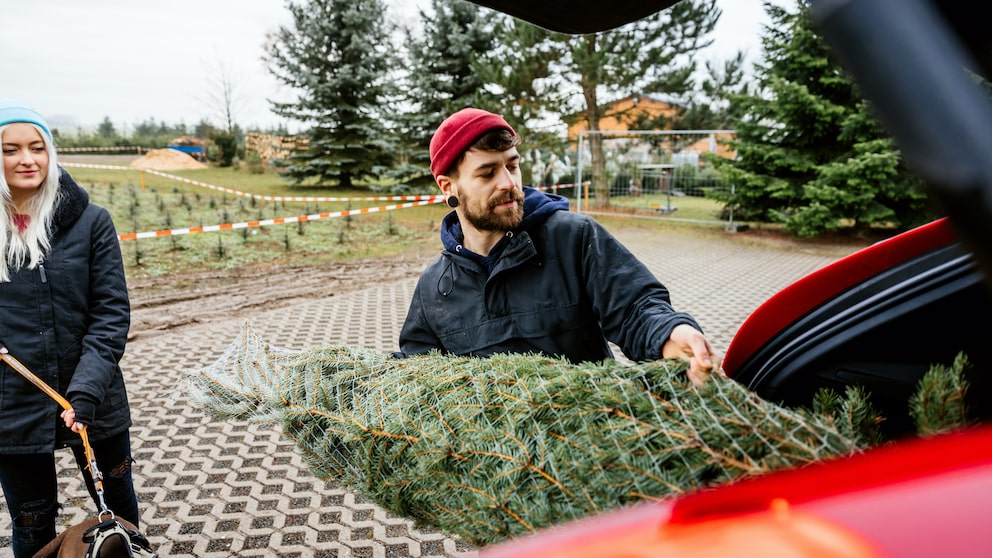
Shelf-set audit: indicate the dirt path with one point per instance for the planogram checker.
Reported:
(163, 304)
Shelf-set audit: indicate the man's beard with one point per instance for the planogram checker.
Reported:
(494, 218)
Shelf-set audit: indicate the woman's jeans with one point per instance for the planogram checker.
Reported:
(30, 486)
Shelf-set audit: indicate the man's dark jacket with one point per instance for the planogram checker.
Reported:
(67, 322)
(561, 285)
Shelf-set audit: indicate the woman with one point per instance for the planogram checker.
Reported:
(64, 314)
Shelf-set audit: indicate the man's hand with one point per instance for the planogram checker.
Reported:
(688, 343)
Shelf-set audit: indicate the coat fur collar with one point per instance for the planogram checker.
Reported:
(72, 201)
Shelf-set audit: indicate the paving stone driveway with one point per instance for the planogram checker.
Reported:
(216, 488)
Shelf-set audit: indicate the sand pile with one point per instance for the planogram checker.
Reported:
(167, 159)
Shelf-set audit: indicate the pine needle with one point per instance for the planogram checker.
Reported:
(939, 402)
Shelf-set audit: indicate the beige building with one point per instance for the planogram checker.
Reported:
(620, 113)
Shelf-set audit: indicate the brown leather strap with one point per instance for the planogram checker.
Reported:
(30, 376)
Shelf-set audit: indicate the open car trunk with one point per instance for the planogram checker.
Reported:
(879, 319)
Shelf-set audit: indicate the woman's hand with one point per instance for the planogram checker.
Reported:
(69, 416)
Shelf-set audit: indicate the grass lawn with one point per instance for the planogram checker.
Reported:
(146, 202)
(142, 202)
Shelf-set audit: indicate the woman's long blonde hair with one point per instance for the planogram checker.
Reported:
(28, 249)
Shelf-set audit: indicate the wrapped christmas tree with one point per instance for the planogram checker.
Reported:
(492, 448)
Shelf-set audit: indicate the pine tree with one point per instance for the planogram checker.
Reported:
(527, 91)
(710, 107)
(441, 77)
(106, 129)
(810, 154)
(652, 56)
(939, 403)
(337, 56)
(491, 448)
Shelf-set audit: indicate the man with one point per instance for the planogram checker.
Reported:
(521, 273)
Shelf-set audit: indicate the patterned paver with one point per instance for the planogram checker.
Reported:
(214, 489)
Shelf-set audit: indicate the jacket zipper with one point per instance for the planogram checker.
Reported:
(44, 276)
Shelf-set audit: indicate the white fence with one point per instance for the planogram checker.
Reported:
(647, 171)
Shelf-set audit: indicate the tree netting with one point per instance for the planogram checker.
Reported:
(492, 448)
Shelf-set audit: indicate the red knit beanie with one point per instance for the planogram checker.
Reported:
(457, 133)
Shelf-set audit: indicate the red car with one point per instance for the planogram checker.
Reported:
(875, 318)
(878, 318)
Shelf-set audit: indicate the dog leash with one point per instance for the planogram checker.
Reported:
(90, 458)
(136, 544)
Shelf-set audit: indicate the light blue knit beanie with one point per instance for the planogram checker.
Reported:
(12, 110)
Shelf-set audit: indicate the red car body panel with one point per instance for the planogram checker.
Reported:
(792, 302)
(919, 498)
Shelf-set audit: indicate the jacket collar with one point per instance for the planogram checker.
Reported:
(537, 207)
(72, 201)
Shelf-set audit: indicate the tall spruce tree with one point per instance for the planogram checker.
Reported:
(810, 154)
(519, 72)
(337, 56)
(652, 56)
(709, 108)
(441, 77)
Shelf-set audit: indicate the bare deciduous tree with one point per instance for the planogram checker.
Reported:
(224, 92)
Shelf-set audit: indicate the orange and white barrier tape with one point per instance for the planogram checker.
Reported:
(425, 197)
(279, 221)
(136, 148)
(419, 200)
(554, 187)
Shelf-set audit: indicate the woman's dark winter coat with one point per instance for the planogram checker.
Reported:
(67, 321)
(561, 285)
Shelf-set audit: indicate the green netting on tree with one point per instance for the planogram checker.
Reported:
(491, 448)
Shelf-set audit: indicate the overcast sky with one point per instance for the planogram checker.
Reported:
(77, 61)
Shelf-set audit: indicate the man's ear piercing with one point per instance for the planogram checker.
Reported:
(452, 201)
